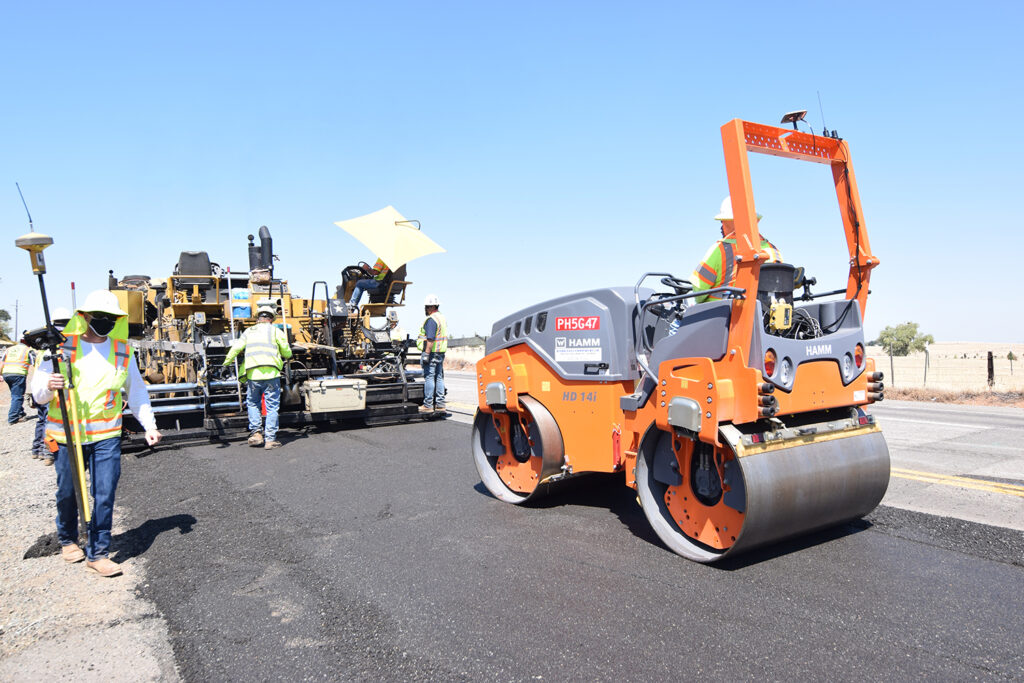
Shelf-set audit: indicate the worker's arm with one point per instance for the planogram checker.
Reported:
(138, 401)
(430, 335)
(282, 344)
(707, 274)
(237, 347)
(40, 387)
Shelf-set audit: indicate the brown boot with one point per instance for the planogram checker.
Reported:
(255, 439)
(103, 566)
(271, 445)
(71, 553)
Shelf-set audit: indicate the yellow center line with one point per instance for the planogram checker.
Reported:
(962, 482)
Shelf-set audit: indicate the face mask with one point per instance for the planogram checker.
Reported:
(101, 327)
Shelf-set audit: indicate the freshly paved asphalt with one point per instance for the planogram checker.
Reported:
(375, 554)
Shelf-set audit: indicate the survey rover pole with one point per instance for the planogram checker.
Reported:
(34, 243)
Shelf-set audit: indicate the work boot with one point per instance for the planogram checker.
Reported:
(440, 409)
(37, 456)
(103, 566)
(271, 445)
(256, 439)
(71, 553)
(47, 460)
(425, 409)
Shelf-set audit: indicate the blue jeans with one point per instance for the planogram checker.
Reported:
(103, 459)
(271, 389)
(16, 383)
(39, 439)
(433, 381)
(363, 286)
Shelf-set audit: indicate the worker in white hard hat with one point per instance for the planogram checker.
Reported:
(102, 365)
(266, 348)
(433, 342)
(14, 369)
(718, 269)
(41, 446)
(394, 330)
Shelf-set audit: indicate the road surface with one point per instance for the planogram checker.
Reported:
(375, 554)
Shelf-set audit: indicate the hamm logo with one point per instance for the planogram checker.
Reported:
(819, 350)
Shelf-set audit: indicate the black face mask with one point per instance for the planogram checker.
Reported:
(101, 327)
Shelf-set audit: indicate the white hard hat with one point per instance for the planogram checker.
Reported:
(392, 315)
(725, 211)
(101, 301)
(61, 313)
(266, 307)
(431, 300)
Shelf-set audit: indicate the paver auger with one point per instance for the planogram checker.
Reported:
(739, 421)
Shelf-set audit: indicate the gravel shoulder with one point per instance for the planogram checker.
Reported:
(58, 620)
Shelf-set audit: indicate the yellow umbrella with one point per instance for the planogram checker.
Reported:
(391, 237)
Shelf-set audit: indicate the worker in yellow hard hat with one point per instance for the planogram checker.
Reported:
(102, 365)
(718, 269)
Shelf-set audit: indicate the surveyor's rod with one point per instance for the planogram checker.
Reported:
(231, 314)
(72, 443)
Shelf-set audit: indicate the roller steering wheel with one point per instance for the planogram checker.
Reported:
(680, 286)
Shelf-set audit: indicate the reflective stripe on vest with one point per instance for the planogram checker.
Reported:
(725, 276)
(382, 270)
(16, 361)
(261, 347)
(97, 393)
(440, 338)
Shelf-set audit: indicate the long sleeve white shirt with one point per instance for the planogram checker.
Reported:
(135, 386)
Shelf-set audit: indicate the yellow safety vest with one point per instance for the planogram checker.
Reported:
(718, 269)
(16, 361)
(261, 347)
(97, 393)
(382, 270)
(441, 340)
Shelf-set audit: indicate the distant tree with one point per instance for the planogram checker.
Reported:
(1010, 357)
(903, 339)
(5, 322)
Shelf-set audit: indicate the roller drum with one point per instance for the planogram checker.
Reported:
(781, 492)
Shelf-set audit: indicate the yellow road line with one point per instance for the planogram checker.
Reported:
(962, 482)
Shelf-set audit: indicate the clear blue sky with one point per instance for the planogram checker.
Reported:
(550, 147)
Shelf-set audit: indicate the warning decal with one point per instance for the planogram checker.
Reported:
(568, 349)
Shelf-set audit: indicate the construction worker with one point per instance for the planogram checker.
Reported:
(102, 364)
(40, 450)
(433, 342)
(395, 331)
(266, 348)
(375, 281)
(718, 269)
(15, 372)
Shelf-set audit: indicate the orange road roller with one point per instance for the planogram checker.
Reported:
(739, 421)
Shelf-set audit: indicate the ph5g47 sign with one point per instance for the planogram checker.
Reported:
(577, 322)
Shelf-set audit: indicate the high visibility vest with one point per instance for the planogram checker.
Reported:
(261, 348)
(16, 361)
(718, 269)
(97, 393)
(382, 270)
(441, 339)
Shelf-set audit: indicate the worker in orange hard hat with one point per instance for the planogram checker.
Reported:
(718, 269)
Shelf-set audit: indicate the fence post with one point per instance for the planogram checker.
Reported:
(991, 370)
(926, 362)
(892, 369)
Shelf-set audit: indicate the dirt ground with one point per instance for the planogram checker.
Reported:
(1013, 399)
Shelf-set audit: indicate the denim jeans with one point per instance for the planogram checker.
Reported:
(103, 459)
(271, 389)
(39, 439)
(433, 381)
(16, 383)
(363, 286)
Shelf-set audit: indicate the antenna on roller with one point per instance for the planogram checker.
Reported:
(30, 228)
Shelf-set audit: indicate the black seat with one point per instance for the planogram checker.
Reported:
(391, 291)
(193, 263)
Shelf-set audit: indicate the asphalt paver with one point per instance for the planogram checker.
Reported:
(376, 554)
